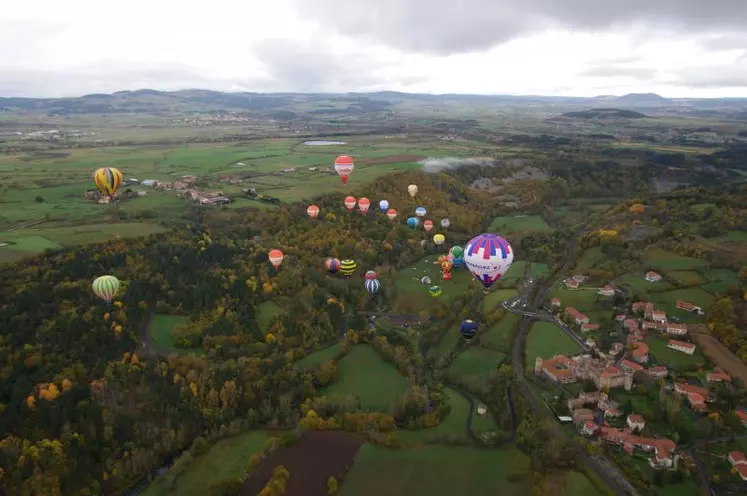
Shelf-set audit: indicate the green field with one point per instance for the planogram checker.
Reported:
(412, 295)
(449, 340)
(226, 458)
(576, 484)
(636, 283)
(363, 374)
(499, 336)
(519, 223)
(313, 360)
(539, 269)
(732, 237)
(454, 426)
(686, 277)
(720, 280)
(546, 340)
(161, 329)
(267, 311)
(672, 358)
(663, 260)
(590, 258)
(666, 301)
(473, 365)
(495, 297)
(436, 470)
(582, 299)
(514, 274)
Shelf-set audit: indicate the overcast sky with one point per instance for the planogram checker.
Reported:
(677, 48)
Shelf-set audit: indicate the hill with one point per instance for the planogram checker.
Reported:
(605, 113)
(643, 99)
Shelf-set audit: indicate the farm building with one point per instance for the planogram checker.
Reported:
(688, 307)
(577, 316)
(676, 329)
(589, 327)
(718, 375)
(682, 346)
(696, 395)
(659, 372)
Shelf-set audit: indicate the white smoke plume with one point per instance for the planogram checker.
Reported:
(433, 164)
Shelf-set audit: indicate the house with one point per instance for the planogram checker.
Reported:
(578, 278)
(617, 348)
(635, 337)
(696, 395)
(741, 415)
(482, 409)
(217, 200)
(664, 449)
(682, 346)
(572, 284)
(688, 307)
(555, 303)
(589, 428)
(589, 327)
(659, 316)
(638, 306)
(559, 368)
(639, 351)
(150, 182)
(659, 372)
(620, 317)
(676, 329)
(590, 343)
(652, 276)
(636, 422)
(739, 462)
(583, 415)
(630, 367)
(606, 291)
(577, 316)
(630, 324)
(657, 326)
(718, 375)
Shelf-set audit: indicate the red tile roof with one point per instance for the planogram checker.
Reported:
(575, 313)
(737, 456)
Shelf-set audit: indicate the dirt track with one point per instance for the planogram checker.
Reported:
(720, 354)
(310, 462)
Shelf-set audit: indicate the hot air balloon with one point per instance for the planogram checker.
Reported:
(350, 203)
(456, 251)
(363, 205)
(446, 276)
(347, 267)
(344, 167)
(446, 266)
(445, 223)
(435, 291)
(425, 280)
(420, 211)
(312, 211)
(412, 189)
(439, 239)
(332, 265)
(370, 275)
(107, 180)
(391, 213)
(373, 286)
(428, 225)
(106, 287)
(383, 205)
(458, 261)
(276, 258)
(468, 329)
(412, 222)
(488, 257)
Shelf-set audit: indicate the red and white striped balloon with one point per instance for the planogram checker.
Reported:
(391, 213)
(312, 211)
(363, 205)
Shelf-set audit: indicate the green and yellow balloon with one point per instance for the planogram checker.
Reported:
(106, 287)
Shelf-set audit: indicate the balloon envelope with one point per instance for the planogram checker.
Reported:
(370, 275)
(107, 180)
(435, 291)
(412, 222)
(391, 213)
(428, 225)
(420, 211)
(412, 190)
(312, 211)
(468, 329)
(457, 251)
(488, 257)
(373, 285)
(350, 203)
(276, 258)
(439, 239)
(332, 265)
(425, 280)
(383, 205)
(445, 223)
(347, 267)
(344, 167)
(106, 287)
(363, 205)
(458, 261)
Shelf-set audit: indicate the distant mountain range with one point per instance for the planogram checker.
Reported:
(290, 105)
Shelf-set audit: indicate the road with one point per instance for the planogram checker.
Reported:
(603, 468)
(518, 305)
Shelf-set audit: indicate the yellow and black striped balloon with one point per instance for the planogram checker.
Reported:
(107, 180)
(347, 267)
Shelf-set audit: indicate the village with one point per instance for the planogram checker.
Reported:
(604, 387)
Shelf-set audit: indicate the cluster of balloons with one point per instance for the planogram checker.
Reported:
(446, 266)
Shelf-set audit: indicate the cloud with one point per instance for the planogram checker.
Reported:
(733, 41)
(445, 27)
(605, 71)
(322, 67)
(714, 76)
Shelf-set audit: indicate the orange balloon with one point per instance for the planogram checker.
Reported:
(276, 258)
